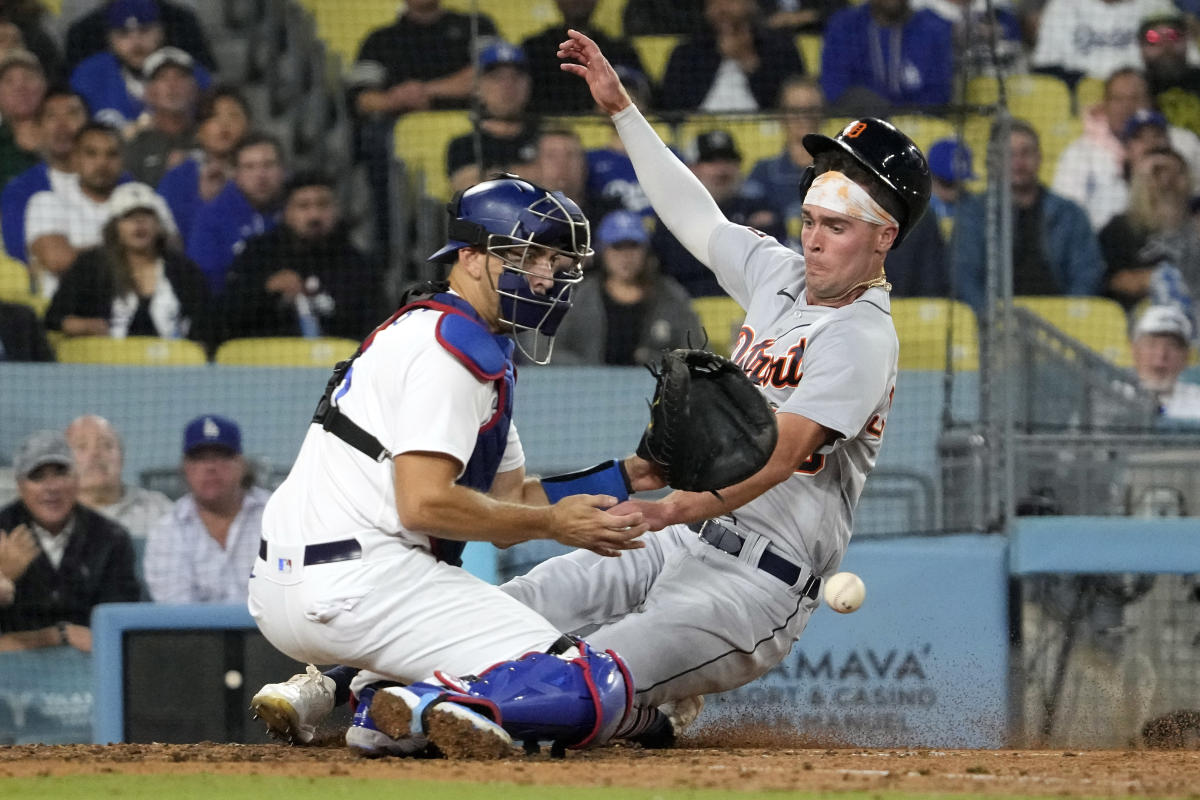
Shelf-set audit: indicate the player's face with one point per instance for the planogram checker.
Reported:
(1158, 359)
(839, 252)
(98, 159)
(49, 493)
(97, 453)
(214, 475)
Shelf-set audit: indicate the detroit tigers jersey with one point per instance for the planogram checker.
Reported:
(412, 395)
(835, 366)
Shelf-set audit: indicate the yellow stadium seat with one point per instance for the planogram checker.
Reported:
(421, 141)
(1041, 100)
(595, 130)
(1096, 322)
(655, 52)
(516, 20)
(130, 351)
(1053, 134)
(756, 137)
(343, 26)
(720, 318)
(1088, 92)
(810, 46)
(285, 352)
(14, 285)
(923, 325)
(609, 17)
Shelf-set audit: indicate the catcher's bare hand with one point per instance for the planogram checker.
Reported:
(580, 521)
(591, 65)
(657, 514)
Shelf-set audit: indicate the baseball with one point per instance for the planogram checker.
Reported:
(845, 592)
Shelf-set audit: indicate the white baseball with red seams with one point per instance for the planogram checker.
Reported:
(845, 592)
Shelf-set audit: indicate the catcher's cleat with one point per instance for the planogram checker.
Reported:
(453, 730)
(292, 710)
(365, 739)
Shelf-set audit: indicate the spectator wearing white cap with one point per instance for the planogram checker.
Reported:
(133, 284)
(625, 312)
(203, 551)
(1162, 346)
(62, 558)
(162, 136)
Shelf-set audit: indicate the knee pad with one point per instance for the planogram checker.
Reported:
(579, 702)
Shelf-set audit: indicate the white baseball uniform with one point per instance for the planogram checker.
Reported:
(687, 617)
(396, 611)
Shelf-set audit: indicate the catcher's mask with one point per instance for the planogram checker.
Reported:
(521, 223)
(882, 149)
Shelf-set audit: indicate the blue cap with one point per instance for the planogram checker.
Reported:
(950, 160)
(1140, 119)
(499, 53)
(212, 430)
(127, 14)
(621, 226)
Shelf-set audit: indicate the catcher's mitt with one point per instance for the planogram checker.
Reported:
(709, 426)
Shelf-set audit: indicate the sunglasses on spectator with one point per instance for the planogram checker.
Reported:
(1165, 35)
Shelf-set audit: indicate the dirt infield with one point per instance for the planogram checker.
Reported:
(1137, 773)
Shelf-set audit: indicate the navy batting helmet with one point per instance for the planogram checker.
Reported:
(881, 149)
(507, 217)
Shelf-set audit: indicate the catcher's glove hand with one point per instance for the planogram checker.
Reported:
(709, 426)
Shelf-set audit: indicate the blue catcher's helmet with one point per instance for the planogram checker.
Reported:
(506, 217)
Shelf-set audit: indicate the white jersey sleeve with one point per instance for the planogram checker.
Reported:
(514, 453)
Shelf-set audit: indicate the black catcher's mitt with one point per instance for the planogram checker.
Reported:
(709, 426)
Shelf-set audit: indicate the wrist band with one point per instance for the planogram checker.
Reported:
(607, 477)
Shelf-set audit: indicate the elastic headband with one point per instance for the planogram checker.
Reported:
(836, 192)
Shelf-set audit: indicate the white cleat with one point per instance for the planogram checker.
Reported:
(683, 713)
(454, 730)
(292, 710)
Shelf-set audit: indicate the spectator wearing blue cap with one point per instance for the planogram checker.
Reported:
(507, 133)
(950, 167)
(1094, 169)
(625, 312)
(62, 558)
(113, 81)
(561, 92)
(612, 182)
(203, 551)
(88, 35)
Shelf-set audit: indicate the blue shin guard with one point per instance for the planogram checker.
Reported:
(577, 702)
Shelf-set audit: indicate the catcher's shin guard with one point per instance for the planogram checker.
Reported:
(577, 702)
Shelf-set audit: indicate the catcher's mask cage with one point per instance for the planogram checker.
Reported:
(883, 150)
(523, 224)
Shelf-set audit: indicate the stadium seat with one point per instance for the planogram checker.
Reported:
(595, 131)
(810, 45)
(1096, 322)
(720, 318)
(516, 20)
(1041, 100)
(130, 351)
(655, 52)
(1088, 92)
(343, 27)
(285, 352)
(756, 137)
(421, 141)
(14, 285)
(923, 325)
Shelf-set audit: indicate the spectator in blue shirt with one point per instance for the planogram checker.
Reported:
(611, 181)
(60, 118)
(112, 81)
(882, 55)
(222, 121)
(246, 207)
